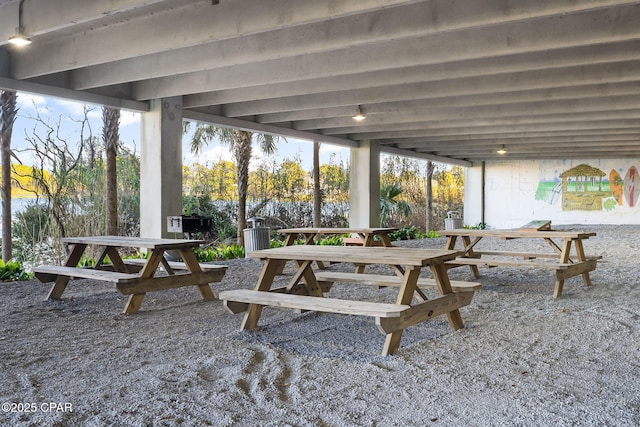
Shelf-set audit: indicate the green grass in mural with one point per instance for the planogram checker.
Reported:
(546, 189)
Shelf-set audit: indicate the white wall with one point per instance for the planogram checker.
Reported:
(511, 186)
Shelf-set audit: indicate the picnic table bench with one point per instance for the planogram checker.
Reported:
(132, 278)
(306, 289)
(560, 260)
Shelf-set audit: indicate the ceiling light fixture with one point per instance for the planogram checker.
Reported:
(502, 150)
(20, 39)
(359, 116)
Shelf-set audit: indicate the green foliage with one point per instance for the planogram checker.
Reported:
(220, 253)
(274, 243)
(478, 226)
(610, 204)
(331, 241)
(392, 204)
(432, 234)
(408, 233)
(13, 270)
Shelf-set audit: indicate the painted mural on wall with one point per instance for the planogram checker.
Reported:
(587, 188)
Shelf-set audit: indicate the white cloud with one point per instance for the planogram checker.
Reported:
(129, 118)
(28, 104)
(76, 109)
(212, 155)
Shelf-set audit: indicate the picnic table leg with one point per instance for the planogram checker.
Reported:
(582, 258)
(564, 258)
(193, 266)
(405, 296)
(385, 240)
(133, 303)
(267, 275)
(61, 281)
(148, 270)
(305, 273)
(310, 239)
(474, 268)
(444, 286)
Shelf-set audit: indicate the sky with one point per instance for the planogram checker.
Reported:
(53, 109)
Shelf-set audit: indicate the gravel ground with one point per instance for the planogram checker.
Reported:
(523, 359)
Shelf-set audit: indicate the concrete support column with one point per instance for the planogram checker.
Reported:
(364, 187)
(160, 166)
(474, 194)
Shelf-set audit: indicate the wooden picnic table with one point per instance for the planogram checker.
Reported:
(136, 278)
(361, 237)
(306, 292)
(560, 259)
(311, 235)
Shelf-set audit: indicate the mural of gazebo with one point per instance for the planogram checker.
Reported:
(582, 188)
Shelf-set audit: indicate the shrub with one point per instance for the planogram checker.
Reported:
(13, 270)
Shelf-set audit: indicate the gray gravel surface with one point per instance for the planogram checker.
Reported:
(523, 359)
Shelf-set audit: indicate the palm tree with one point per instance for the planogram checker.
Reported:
(240, 142)
(8, 113)
(389, 203)
(429, 196)
(317, 194)
(111, 136)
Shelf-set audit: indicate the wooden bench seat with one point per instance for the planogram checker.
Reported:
(238, 300)
(509, 263)
(524, 255)
(129, 284)
(356, 241)
(49, 273)
(381, 280)
(175, 265)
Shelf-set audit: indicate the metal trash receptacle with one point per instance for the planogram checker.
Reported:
(256, 237)
(453, 220)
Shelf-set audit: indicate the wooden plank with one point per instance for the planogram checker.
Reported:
(537, 225)
(151, 284)
(510, 263)
(133, 242)
(426, 310)
(357, 241)
(176, 265)
(49, 273)
(336, 230)
(355, 254)
(515, 234)
(383, 280)
(303, 302)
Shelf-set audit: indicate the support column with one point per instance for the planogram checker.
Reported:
(364, 185)
(160, 166)
(474, 194)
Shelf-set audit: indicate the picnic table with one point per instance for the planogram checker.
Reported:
(133, 277)
(360, 237)
(366, 236)
(560, 259)
(306, 288)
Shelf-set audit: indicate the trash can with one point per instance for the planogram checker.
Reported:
(453, 220)
(256, 237)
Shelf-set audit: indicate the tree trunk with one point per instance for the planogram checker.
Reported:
(317, 196)
(429, 196)
(242, 153)
(110, 134)
(8, 113)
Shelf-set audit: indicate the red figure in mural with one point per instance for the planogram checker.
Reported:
(632, 186)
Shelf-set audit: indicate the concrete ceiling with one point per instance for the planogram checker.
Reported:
(440, 79)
